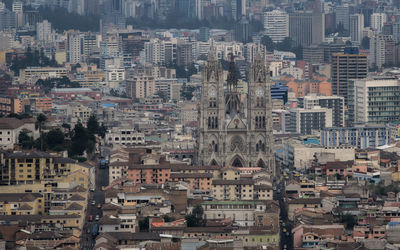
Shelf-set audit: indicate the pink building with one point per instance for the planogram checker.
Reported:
(148, 174)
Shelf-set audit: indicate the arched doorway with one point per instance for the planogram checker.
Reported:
(213, 163)
(261, 164)
(237, 162)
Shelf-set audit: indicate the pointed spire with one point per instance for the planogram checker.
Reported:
(211, 53)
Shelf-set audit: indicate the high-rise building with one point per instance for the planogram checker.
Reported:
(243, 31)
(396, 32)
(374, 101)
(238, 9)
(17, 8)
(112, 16)
(336, 103)
(204, 34)
(232, 132)
(306, 28)
(141, 86)
(184, 53)
(381, 50)
(377, 21)
(345, 66)
(44, 31)
(75, 47)
(343, 16)
(304, 121)
(356, 28)
(8, 20)
(276, 25)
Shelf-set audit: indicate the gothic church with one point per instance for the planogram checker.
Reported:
(235, 129)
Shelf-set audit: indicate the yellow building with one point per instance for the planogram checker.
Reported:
(21, 203)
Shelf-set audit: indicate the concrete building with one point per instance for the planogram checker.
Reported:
(75, 47)
(342, 16)
(242, 212)
(336, 103)
(124, 136)
(306, 28)
(140, 86)
(299, 155)
(345, 66)
(44, 31)
(377, 21)
(10, 128)
(34, 73)
(304, 121)
(313, 54)
(374, 101)
(381, 48)
(276, 25)
(356, 28)
(361, 137)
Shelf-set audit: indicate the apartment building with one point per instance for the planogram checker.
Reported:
(374, 101)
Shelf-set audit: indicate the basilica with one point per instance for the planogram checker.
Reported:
(234, 128)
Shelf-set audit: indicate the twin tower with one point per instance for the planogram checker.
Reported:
(235, 129)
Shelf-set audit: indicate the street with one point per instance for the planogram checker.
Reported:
(286, 228)
(98, 196)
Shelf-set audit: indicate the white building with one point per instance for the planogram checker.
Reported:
(75, 47)
(276, 25)
(44, 31)
(296, 72)
(114, 74)
(377, 46)
(377, 21)
(10, 128)
(299, 155)
(124, 136)
(356, 27)
(374, 101)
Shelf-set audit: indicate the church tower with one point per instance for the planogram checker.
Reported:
(235, 129)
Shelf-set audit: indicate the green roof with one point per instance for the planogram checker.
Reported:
(232, 203)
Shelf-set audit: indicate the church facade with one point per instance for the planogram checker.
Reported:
(235, 129)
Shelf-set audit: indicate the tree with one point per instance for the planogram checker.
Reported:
(40, 120)
(81, 140)
(195, 218)
(168, 218)
(55, 139)
(93, 125)
(268, 43)
(285, 45)
(25, 140)
(349, 220)
(144, 224)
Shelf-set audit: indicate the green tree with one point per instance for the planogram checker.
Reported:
(82, 140)
(25, 140)
(93, 125)
(349, 220)
(268, 43)
(55, 139)
(195, 218)
(168, 218)
(144, 224)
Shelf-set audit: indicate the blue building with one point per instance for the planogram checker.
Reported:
(280, 92)
(361, 137)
